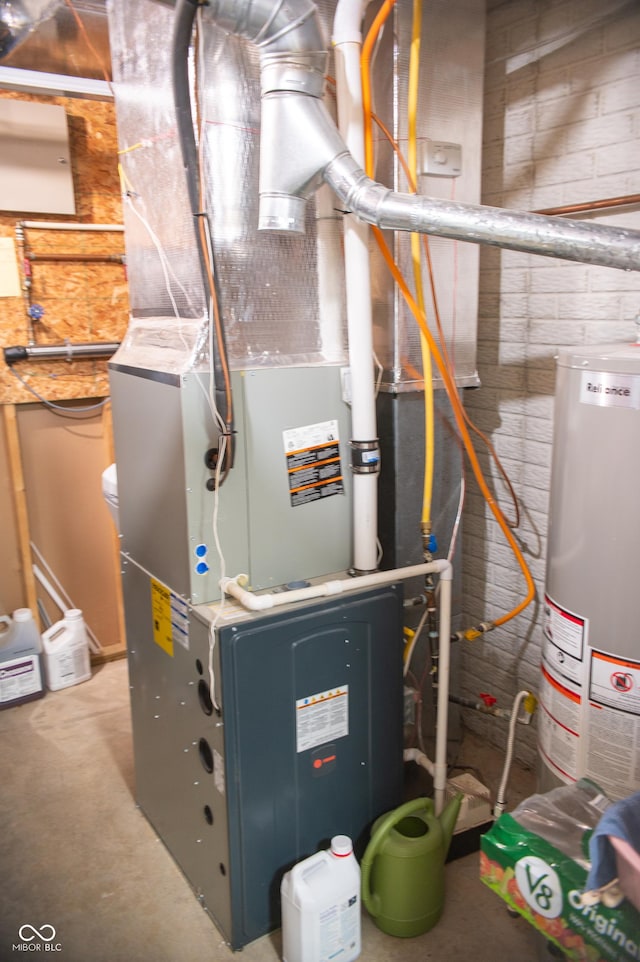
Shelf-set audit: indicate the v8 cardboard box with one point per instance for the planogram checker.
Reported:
(544, 885)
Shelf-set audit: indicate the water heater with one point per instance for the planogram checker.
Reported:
(589, 724)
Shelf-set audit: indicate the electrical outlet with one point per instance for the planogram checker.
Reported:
(441, 159)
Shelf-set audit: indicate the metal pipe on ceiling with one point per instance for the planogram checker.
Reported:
(588, 207)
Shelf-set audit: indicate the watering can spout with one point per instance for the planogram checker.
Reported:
(448, 818)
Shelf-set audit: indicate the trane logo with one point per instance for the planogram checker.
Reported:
(608, 389)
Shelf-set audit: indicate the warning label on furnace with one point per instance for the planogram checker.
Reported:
(170, 618)
(313, 462)
(322, 718)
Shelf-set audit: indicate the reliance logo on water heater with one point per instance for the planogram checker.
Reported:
(610, 390)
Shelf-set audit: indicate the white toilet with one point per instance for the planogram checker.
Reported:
(110, 493)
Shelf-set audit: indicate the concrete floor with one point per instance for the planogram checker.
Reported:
(77, 854)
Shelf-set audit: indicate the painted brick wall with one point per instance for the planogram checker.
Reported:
(561, 126)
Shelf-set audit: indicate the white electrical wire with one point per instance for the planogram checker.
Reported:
(380, 552)
(456, 523)
(94, 644)
(380, 370)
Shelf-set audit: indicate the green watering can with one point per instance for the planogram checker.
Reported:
(403, 866)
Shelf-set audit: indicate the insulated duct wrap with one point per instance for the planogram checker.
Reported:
(167, 330)
(271, 304)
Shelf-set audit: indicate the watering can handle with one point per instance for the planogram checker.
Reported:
(392, 819)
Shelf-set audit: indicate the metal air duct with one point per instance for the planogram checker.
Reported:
(301, 147)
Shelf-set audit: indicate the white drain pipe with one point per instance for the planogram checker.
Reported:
(415, 755)
(365, 449)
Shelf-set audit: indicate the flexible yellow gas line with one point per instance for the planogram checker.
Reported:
(367, 48)
(416, 258)
(365, 60)
(458, 412)
(443, 345)
(447, 378)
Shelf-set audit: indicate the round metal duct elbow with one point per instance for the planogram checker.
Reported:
(294, 134)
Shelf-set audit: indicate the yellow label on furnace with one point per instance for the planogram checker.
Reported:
(161, 614)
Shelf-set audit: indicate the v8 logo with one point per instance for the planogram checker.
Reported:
(540, 886)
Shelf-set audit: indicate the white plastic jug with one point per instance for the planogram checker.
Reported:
(66, 651)
(20, 659)
(321, 906)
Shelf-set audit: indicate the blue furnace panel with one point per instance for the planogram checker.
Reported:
(312, 708)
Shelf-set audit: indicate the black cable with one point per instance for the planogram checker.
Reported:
(184, 19)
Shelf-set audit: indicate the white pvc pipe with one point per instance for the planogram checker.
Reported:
(415, 755)
(65, 605)
(365, 522)
(347, 21)
(442, 713)
(253, 602)
(51, 591)
(347, 41)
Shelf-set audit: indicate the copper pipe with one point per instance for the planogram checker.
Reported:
(82, 258)
(628, 201)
